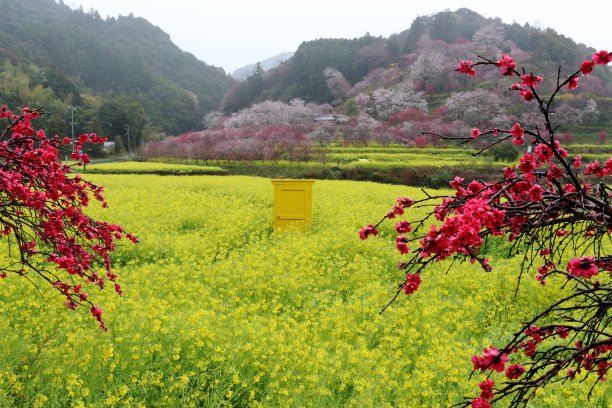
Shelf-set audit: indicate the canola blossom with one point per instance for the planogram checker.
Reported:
(220, 310)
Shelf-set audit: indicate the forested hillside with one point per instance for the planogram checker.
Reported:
(69, 53)
(402, 91)
(124, 77)
(428, 49)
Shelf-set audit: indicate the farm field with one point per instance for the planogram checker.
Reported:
(220, 310)
(151, 168)
(429, 167)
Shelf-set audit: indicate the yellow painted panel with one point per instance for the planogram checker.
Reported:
(292, 203)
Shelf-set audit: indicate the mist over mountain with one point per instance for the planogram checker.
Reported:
(453, 35)
(80, 52)
(119, 68)
(246, 71)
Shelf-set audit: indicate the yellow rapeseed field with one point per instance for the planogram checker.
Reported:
(219, 310)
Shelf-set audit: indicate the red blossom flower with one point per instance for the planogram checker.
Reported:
(596, 169)
(587, 67)
(527, 95)
(535, 194)
(527, 164)
(456, 182)
(405, 202)
(602, 369)
(507, 64)
(509, 173)
(543, 152)
(403, 227)
(602, 57)
(400, 243)
(609, 165)
(366, 231)
(573, 83)
(535, 333)
(475, 133)
(466, 67)
(487, 389)
(514, 371)
(475, 187)
(517, 133)
(583, 267)
(413, 281)
(577, 162)
(554, 172)
(531, 80)
(491, 359)
(530, 348)
(480, 403)
(563, 332)
(398, 210)
(95, 311)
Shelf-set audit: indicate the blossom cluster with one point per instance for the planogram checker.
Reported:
(541, 204)
(43, 212)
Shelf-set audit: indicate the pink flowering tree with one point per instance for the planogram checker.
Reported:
(42, 214)
(556, 212)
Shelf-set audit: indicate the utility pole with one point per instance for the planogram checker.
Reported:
(72, 131)
(72, 121)
(127, 128)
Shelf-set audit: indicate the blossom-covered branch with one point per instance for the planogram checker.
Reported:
(552, 208)
(42, 207)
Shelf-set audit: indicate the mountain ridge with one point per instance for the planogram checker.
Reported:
(245, 71)
(112, 57)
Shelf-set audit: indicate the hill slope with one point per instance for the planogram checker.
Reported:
(116, 56)
(302, 75)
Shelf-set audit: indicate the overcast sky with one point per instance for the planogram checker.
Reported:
(234, 33)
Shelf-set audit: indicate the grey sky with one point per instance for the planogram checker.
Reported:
(233, 33)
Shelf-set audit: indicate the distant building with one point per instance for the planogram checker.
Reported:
(325, 118)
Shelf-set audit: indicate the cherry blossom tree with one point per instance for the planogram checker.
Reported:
(431, 67)
(373, 55)
(488, 38)
(601, 137)
(386, 102)
(556, 212)
(567, 138)
(590, 110)
(566, 114)
(277, 113)
(337, 84)
(213, 120)
(364, 128)
(323, 134)
(474, 107)
(42, 214)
